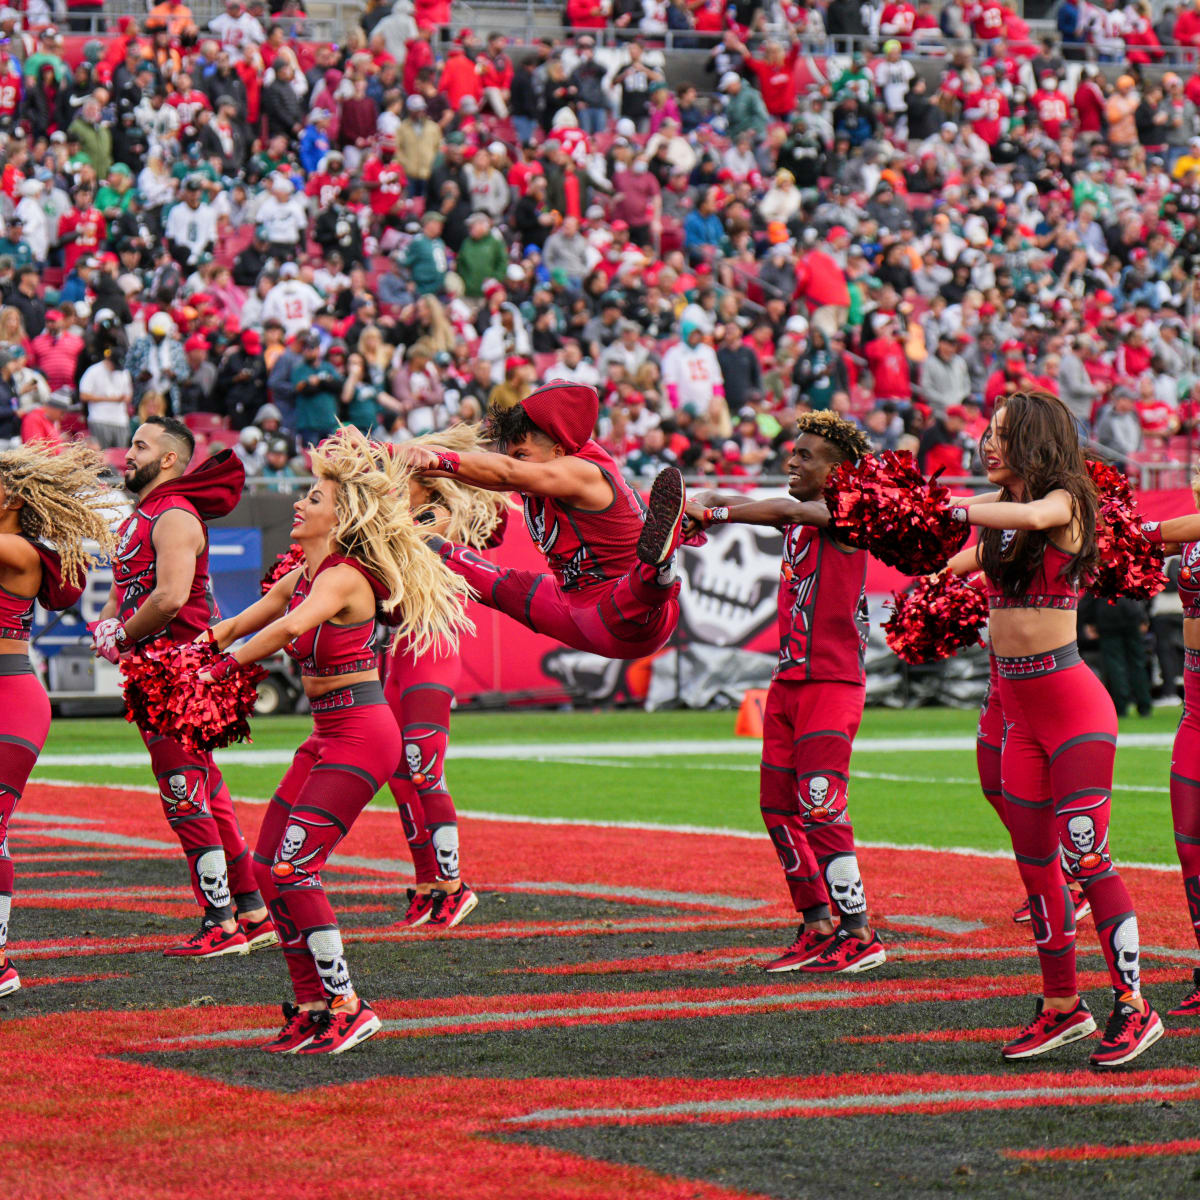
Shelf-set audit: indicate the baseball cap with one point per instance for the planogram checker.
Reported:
(289, 270)
(727, 80)
(957, 410)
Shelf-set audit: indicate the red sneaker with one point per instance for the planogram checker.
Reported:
(451, 908)
(343, 1026)
(210, 942)
(1189, 1006)
(805, 948)
(1049, 1030)
(1082, 905)
(258, 934)
(1021, 915)
(845, 954)
(299, 1028)
(420, 909)
(1127, 1034)
(10, 981)
(663, 528)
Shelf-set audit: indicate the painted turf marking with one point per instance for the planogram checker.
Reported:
(1082, 1153)
(879, 1102)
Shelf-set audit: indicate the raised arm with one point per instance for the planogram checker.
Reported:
(1051, 512)
(741, 510)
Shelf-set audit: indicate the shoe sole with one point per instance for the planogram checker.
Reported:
(263, 940)
(1084, 910)
(423, 919)
(1021, 917)
(369, 1029)
(241, 951)
(1065, 1038)
(658, 532)
(867, 963)
(7, 989)
(469, 906)
(291, 1049)
(1152, 1035)
(779, 969)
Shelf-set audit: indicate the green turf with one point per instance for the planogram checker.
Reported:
(933, 800)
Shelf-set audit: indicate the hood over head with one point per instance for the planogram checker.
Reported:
(564, 411)
(214, 488)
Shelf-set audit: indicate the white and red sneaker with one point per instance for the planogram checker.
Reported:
(10, 981)
(845, 954)
(258, 934)
(211, 941)
(451, 908)
(807, 946)
(1189, 1006)
(663, 528)
(1127, 1034)
(342, 1026)
(1082, 907)
(420, 909)
(1048, 1030)
(299, 1028)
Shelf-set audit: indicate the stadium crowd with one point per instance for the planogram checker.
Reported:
(270, 236)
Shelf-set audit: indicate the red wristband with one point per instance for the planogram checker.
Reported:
(716, 516)
(1152, 532)
(448, 461)
(224, 666)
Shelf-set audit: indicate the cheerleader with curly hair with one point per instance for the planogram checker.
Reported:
(420, 690)
(50, 496)
(815, 702)
(362, 551)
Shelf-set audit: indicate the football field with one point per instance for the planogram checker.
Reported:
(600, 1026)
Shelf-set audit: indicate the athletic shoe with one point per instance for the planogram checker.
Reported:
(299, 1028)
(663, 528)
(1127, 1034)
(845, 954)
(451, 908)
(1049, 1030)
(1021, 915)
(420, 909)
(258, 934)
(10, 981)
(210, 942)
(1189, 1006)
(342, 1026)
(1082, 908)
(805, 948)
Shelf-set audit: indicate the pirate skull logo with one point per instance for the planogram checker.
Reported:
(445, 847)
(535, 522)
(422, 773)
(1082, 831)
(819, 802)
(181, 799)
(293, 840)
(1087, 850)
(127, 532)
(845, 885)
(728, 588)
(213, 878)
(1124, 940)
(325, 945)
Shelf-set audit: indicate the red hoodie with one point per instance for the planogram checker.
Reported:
(777, 82)
(459, 78)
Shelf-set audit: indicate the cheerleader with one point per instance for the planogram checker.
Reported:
(420, 691)
(1181, 535)
(1038, 541)
(47, 494)
(361, 551)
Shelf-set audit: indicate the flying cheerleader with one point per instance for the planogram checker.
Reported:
(53, 508)
(362, 551)
(420, 690)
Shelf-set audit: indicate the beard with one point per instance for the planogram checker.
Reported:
(143, 477)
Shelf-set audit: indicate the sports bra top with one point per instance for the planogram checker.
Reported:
(329, 649)
(1049, 588)
(16, 616)
(1189, 579)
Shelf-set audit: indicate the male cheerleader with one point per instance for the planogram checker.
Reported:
(161, 589)
(613, 589)
(815, 702)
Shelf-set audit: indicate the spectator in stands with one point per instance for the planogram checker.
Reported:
(43, 423)
(157, 362)
(106, 391)
(1118, 427)
(317, 388)
(945, 378)
(26, 300)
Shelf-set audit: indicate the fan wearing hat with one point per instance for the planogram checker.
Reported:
(157, 362)
(612, 588)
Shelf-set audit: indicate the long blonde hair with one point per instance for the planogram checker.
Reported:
(65, 501)
(474, 512)
(375, 526)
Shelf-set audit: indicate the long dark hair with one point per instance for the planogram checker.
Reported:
(1041, 445)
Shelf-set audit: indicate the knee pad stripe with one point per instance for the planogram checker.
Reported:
(1062, 951)
(1186, 840)
(537, 583)
(823, 771)
(1177, 778)
(1030, 861)
(980, 744)
(11, 739)
(1111, 921)
(258, 858)
(10, 790)
(766, 766)
(348, 769)
(323, 814)
(818, 733)
(1084, 884)
(1020, 803)
(427, 687)
(179, 768)
(1083, 738)
(1098, 793)
(416, 727)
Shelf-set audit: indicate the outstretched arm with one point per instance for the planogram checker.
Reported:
(743, 511)
(567, 478)
(260, 614)
(966, 562)
(1051, 512)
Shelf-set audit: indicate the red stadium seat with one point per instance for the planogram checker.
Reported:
(116, 459)
(202, 422)
(543, 363)
(219, 438)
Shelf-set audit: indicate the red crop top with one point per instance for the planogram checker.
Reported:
(1049, 588)
(1189, 579)
(331, 649)
(16, 616)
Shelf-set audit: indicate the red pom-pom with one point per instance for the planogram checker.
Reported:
(164, 695)
(883, 504)
(1129, 565)
(284, 565)
(936, 618)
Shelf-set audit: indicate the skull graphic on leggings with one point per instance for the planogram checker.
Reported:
(325, 945)
(213, 877)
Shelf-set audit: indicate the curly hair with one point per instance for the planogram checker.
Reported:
(1041, 445)
(474, 512)
(845, 437)
(65, 501)
(506, 427)
(375, 526)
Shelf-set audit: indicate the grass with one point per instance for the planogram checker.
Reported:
(904, 796)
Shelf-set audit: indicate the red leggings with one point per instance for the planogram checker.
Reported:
(26, 723)
(808, 733)
(419, 692)
(1185, 787)
(989, 739)
(1057, 764)
(626, 618)
(353, 750)
(199, 810)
